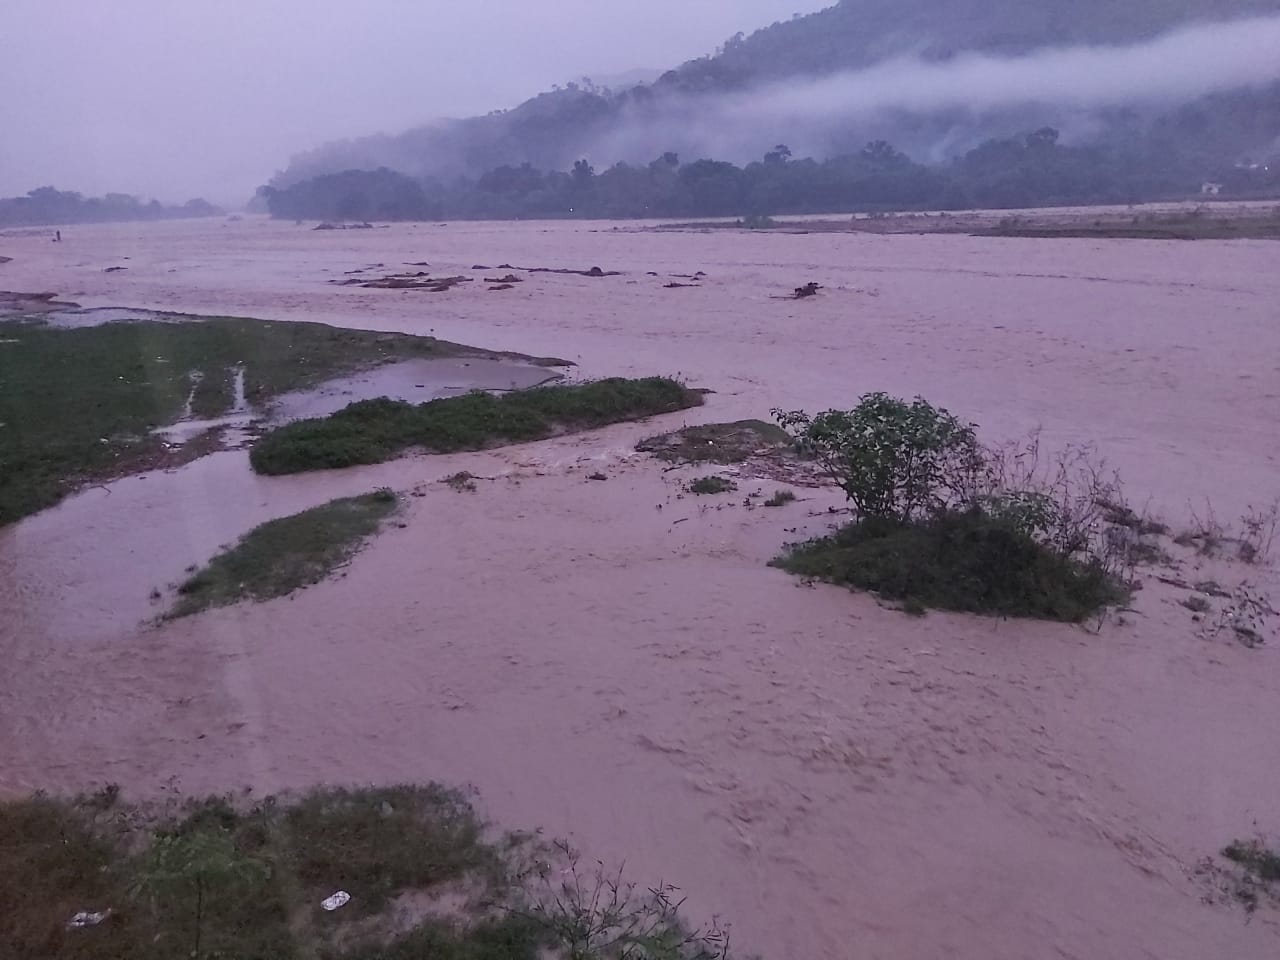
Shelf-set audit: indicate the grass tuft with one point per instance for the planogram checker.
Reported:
(966, 562)
(373, 431)
(709, 486)
(722, 443)
(284, 555)
(780, 499)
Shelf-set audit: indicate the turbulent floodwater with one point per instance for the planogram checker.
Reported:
(615, 661)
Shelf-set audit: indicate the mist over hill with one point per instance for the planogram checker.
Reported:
(1184, 90)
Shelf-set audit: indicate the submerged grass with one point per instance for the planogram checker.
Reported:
(957, 561)
(373, 431)
(78, 405)
(712, 485)
(722, 443)
(284, 555)
(232, 878)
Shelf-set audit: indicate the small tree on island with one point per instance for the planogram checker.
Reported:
(895, 460)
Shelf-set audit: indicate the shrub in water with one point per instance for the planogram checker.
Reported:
(894, 459)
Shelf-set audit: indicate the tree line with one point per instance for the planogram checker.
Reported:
(1035, 169)
(47, 205)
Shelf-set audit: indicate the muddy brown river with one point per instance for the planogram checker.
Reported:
(615, 662)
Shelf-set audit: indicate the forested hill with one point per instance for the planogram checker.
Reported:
(858, 33)
(723, 107)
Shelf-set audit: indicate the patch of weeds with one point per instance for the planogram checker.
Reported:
(780, 499)
(595, 913)
(722, 443)
(373, 431)
(708, 486)
(81, 405)
(504, 938)
(210, 896)
(1122, 515)
(224, 878)
(1246, 613)
(964, 561)
(1141, 550)
(1259, 532)
(53, 865)
(284, 555)
(1256, 858)
(1197, 604)
(376, 843)
(914, 608)
(1206, 534)
(461, 482)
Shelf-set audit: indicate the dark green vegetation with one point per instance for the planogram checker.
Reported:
(1257, 877)
(79, 405)
(722, 443)
(943, 522)
(968, 562)
(1191, 226)
(285, 555)
(535, 160)
(710, 486)
(230, 878)
(372, 431)
(47, 205)
(1023, 170)
(780, 499)
(1256, 858)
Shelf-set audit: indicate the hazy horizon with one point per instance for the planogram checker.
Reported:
(209, 99)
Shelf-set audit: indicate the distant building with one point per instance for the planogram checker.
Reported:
(1210, 189)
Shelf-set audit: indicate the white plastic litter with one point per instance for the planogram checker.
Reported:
(87, 919)
(339, 899)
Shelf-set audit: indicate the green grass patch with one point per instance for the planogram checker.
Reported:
(284, 555)
(226, 877)
(967, 562)
(373, 431)
(1181, 226)
(383, 841)
(710, 486)
(80, 405)
(722, 443)
(493, 938)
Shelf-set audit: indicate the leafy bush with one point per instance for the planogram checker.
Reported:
(893, 459)
(943, 521)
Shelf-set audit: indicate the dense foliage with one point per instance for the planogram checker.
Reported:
(1035, 169)
(895, 460)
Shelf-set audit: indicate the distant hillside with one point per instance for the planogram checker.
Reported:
(725, 105)
(858, 33)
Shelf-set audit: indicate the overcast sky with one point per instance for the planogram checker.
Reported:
(183, 98)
